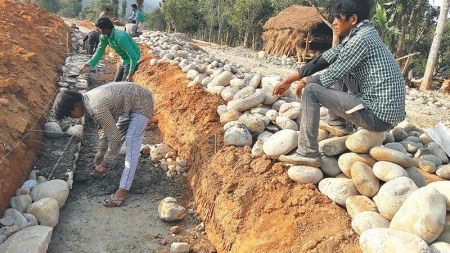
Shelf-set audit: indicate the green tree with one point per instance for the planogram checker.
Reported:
(70, 8)
(50, 5)
(123, 10)
(180, 15)
(155, 20)
(248, 16)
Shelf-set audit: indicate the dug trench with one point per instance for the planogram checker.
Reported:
(246, 204)
(85, 225)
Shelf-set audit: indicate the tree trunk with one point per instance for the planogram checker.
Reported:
(245, 38)
(219, 34)
(434, 50)
(254, 42)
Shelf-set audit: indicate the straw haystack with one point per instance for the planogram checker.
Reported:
(298, 31)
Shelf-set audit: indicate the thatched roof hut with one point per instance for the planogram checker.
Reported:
(297, 30)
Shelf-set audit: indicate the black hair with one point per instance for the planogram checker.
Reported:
(133, 21)
(65, 102)
(104, 23)
(134, 6)
(346, 8)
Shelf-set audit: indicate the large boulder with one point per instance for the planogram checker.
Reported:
(255, 81)
(12, 217)
(305, 174)
(346, 161)
(387, 240)
(445, 235)
(238, 136)
(392, 195)
(34, 239)
(330, 166)
(440, 247)
(387, 171)
(286, 123)
(169, 210)
(248, 102)
(358, 204)
(253, 123)
(390, 155)
(21, 202)
(442, 187)
(444, 171)
(364, 140)
(415, 174)
(338, 189)
(367, 220)
(56, 189)
(333, 146)
(290, 110)
(46, 211)
(364, 179)
(422, 213)
(53, 130)
(223, 79)
(281, 143)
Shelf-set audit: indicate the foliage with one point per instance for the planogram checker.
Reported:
(95, 7)
(180, 15)
(70, 8)
(50, 5)
(155, 20)
(123, 9)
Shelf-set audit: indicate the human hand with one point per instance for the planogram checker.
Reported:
(84, 69)
(99, 157)
(300, 85)
(280, 88)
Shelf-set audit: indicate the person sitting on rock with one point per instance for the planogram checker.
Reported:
(137, 16)
(363, 83)
(122, 44)
(105, 104)
(132, 28)
(90, 41)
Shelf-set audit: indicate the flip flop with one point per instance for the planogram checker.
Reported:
(111, 201)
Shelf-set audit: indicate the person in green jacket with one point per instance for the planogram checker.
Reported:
(122, 44)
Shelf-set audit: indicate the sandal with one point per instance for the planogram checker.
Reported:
(111, 201)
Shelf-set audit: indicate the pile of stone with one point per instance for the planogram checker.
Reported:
(382, 179)
(170, 210)
(34, 211)
(284, 60)
(165, 158)
(432, 98)
(28, 224)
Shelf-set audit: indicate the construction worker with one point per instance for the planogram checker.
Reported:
(138, 16)
(105, 104)
(363, 83)
(122, 44)
(91, 40)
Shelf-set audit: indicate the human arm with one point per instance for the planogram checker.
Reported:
(109, 136)
(350, 56)
(98, 53)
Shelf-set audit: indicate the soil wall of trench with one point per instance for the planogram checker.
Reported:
(248, 205)
(32, 49)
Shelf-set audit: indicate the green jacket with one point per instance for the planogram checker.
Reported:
(122, 44)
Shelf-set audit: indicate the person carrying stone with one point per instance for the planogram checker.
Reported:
(90, 41)
(105, 104)
(122, 44)
(362, 85)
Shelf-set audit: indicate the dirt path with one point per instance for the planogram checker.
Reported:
(87, 226)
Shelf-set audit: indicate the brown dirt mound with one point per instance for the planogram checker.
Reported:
(248, 205)
(33, 47)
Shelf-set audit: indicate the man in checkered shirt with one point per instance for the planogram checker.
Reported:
(362, 85)
(105, 104)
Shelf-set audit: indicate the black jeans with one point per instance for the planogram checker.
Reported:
(338, 102)
(122, 72)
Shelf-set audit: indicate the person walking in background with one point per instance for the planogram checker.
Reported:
(105, 104)
(91, 40)
(122, 44)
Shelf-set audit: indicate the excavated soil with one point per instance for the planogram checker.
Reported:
(248, 205)
(33, 47)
